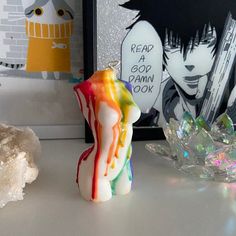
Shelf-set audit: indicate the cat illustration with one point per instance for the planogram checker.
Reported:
(49, 26)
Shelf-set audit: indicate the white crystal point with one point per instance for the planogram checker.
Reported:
(18, 149)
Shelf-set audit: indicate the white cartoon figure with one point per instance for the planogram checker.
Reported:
(49, 28)
(107, 104)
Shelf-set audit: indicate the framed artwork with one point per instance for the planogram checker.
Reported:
(178, 56)
(41, 58)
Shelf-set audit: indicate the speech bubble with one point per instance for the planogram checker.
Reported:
(142, 58)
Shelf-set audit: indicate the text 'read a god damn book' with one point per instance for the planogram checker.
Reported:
(179, 56)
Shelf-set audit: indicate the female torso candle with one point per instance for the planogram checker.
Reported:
(108, 106)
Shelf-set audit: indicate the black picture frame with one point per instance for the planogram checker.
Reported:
(90, 66)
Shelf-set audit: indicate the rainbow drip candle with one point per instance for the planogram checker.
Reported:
(108, 106)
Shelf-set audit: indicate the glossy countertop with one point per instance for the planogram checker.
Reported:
(163, 201)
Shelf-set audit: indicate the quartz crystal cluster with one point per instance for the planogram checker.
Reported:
(18, 148)
(199, 150)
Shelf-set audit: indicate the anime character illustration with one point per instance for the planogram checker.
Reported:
(49, 27)
(191, 33)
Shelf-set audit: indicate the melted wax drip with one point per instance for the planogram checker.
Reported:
(103, 87)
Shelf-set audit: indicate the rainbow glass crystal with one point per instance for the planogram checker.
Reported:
(199, 150)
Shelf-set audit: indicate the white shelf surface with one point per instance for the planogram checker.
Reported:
(163, 201)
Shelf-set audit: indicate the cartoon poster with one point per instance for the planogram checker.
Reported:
(40, 39)
(179, 55)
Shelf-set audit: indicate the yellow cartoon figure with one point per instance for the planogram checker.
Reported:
(49, 28)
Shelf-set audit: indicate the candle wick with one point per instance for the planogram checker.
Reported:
(114, 65)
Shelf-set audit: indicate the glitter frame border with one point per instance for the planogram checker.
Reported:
(90, 66)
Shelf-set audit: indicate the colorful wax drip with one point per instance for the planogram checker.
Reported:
(109, 108)
(200, 150)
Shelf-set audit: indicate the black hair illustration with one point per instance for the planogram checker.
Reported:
(185, 24)
(62, 8)
(184, 21)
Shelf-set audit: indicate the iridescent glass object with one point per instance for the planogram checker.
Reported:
(199, 150)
